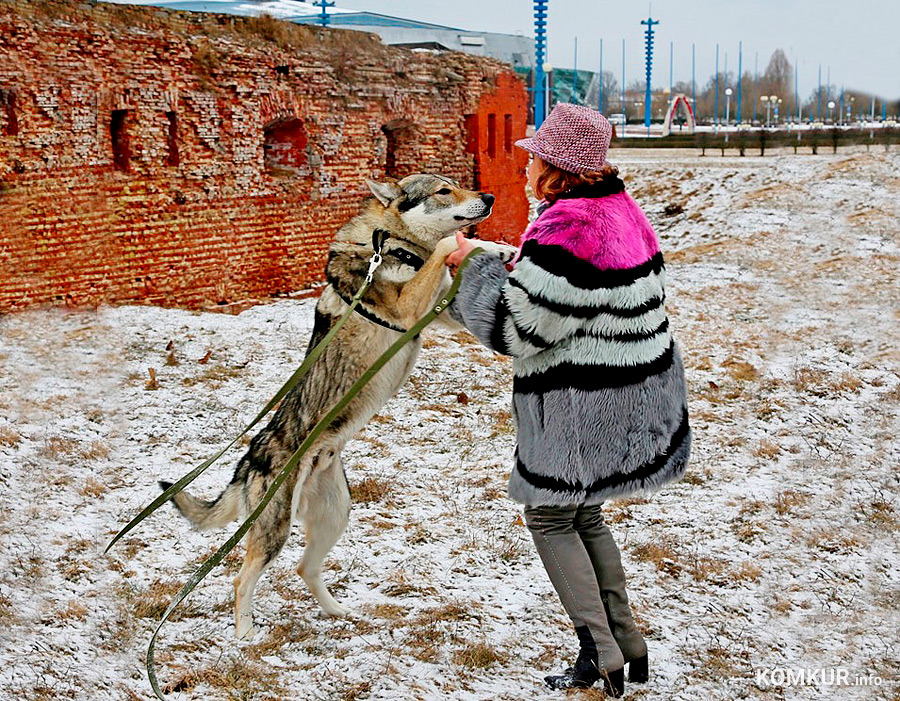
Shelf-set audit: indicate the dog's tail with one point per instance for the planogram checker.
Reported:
(208, 514)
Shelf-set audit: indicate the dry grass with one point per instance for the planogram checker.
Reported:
(390, 612)
(74, 610)
(152, 384)
(747, 525)
(97, 450)
(718, 662)
(9, 437)
(418, 534)
(239, 678)
(663, 554)
(480, 655)
(788, 501)
(153, 601)
(452, 611)
(880, 513)
(747, 572)
(810, 380)
(355, 691)
(6, 607)
(767, 449)
(290, 630)
(92, 488)
(708, 569)
(285, 35)
(502, 423)
(782, 604)
(206, 62)
(832, 540)
(846, 382)
(370, 490)
(213, 376)
(478, 356)
(698, 253)
(740, 370)
(56, 447)
(399, 585)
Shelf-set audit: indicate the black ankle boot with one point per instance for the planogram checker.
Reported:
(638, 670)
(585, 674)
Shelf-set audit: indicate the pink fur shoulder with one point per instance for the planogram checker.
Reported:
(611, 232)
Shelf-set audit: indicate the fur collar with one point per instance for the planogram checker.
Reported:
(607, 186)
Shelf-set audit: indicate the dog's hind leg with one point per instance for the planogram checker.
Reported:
(264, 541)
(325, 514)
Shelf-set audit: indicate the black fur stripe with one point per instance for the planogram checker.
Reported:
(592, 377)
(626, 337)
(498, 340)
(530, 337)
(409, 202)
(640, 474)
(540, 342)
(558, 261)
(589, 311)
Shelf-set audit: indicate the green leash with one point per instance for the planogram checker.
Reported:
(292, 382)
(204, 569)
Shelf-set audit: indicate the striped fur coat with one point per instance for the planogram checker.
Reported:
(599, 393)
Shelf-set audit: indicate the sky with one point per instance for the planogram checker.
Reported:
(857, 39)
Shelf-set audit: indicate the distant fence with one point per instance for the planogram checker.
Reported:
(756, 141)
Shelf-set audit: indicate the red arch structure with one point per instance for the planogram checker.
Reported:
(679, 99)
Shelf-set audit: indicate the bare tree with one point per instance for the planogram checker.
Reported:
(779, 76)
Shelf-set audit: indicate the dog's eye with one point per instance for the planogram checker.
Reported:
(443, 191)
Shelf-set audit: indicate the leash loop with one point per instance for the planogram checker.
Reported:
(378, 238)
(207, 565)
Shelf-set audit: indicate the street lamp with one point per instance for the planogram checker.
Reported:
(728, 93)
(830, 108)
(548, 71)
(770, 101)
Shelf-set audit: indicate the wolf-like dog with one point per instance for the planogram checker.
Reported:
(418, 216)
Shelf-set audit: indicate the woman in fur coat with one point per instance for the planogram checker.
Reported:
(599, 393)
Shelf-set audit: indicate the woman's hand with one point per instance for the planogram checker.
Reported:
(464, 248)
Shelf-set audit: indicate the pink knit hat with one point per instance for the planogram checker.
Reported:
(573, 138)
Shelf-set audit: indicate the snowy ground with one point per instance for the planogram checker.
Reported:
(778, 550)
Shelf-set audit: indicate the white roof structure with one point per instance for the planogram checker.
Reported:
(515, 49)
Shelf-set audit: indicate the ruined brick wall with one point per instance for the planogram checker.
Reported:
(194, 160)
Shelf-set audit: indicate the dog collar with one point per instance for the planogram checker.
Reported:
(408, 257)
(362, 311)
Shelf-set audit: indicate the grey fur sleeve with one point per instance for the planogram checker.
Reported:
(483, 306)
(479, 304)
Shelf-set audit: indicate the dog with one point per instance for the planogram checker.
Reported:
(416, 219)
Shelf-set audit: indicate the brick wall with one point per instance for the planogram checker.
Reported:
(197, 160)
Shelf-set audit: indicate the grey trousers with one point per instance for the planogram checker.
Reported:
(583, 561)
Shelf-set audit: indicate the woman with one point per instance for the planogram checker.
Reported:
(598, 391)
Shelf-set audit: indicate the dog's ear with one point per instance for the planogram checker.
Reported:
(386, 192)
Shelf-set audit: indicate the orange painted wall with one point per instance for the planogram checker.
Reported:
(500, 166)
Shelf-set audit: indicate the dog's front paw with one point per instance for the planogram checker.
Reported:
(445, 247)
(503, 251)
